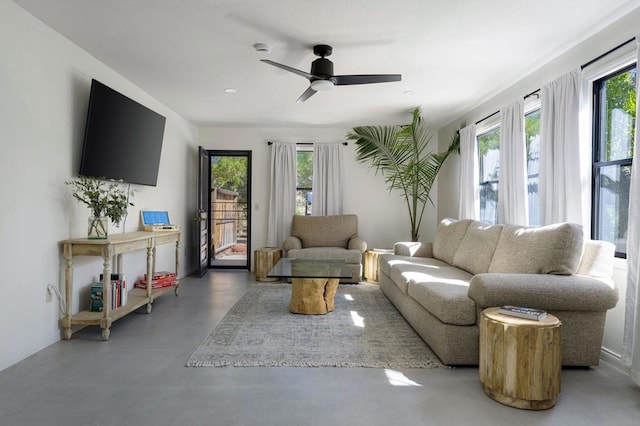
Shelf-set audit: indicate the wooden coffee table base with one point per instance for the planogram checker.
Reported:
(313, 296)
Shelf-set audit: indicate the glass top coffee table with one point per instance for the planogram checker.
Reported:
(314, 283)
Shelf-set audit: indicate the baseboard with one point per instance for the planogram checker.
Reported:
(613, 360)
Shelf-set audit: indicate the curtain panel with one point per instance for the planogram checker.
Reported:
(512, 186)
(327, 179)
(561, 187)
(282, 193)
(469, 197)
(631, 340)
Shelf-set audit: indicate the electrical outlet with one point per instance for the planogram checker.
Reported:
(49, 294)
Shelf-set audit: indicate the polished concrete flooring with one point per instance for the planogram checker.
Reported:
(138, 378)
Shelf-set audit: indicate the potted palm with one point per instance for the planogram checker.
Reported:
(402, 155)
(105, 200)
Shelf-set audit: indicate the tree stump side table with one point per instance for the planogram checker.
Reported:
(520, 360)
(264, 259)
(372, 264)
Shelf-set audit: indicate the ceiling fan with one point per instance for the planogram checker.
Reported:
(321, 76)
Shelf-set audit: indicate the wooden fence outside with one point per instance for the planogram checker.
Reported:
(224, 219)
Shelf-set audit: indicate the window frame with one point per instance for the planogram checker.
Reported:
(306, 149)
(596, 132)
(489, 127)
(535, 106)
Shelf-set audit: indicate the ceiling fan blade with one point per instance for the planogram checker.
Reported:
(343, 80)
(286, 68)
(306, 95)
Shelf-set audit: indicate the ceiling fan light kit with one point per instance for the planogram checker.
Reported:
(321, 76)
(320, 85)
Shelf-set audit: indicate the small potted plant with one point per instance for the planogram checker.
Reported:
(106, 200)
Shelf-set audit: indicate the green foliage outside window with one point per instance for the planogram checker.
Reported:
(228, 172)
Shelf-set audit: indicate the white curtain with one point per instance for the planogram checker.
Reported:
(282, 193)
(469, 201)
(327, 179)
(631, 342)
(561, 177)
(512, 186)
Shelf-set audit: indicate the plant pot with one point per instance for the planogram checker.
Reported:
(98, 227)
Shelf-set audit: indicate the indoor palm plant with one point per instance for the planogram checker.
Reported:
(106, 200)
(402, 155)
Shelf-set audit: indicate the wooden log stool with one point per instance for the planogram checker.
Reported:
(372, 264)
(264, 259)
(520, 359)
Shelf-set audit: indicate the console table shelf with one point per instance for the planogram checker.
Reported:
(115, 245)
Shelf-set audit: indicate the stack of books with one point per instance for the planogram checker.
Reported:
(523, 312)
(118, 293)
(160, 280)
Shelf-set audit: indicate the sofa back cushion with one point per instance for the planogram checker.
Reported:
(448, 237)
(476, 250)
(325, 231)
(551, 249)
(597, 259)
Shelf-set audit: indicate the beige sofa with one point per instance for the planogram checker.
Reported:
(441, 287)
(327, 237)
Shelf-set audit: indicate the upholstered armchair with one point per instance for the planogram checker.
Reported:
(327, 237)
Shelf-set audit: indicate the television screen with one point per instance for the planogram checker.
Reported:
(122, 139)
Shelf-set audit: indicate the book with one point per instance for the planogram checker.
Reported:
(118, 293)
(523, 312)
(160, 280)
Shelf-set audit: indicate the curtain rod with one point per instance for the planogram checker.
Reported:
(309, 143)
(606, 53)
(535, 92)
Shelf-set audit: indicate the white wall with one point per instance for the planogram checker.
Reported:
(600, 43)
(382, 216)
(44, 91)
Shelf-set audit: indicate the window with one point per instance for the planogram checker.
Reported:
(489, 165)
(532, 139)
(304, 181)
(614, 120)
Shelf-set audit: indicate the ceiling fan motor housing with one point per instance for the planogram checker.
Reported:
(322, 67)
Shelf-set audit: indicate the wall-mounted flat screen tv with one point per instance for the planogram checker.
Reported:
(122, 139)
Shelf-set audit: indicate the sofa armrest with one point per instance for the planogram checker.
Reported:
(356, 243)
(543, 291)
(413, 249)
(291, 243)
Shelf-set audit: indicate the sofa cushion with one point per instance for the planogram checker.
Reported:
(551, 249)
(334, 253)
(449, 235)
(402, 269)
(325, 231)
(596, 259)
(444, 295)
(476, 250)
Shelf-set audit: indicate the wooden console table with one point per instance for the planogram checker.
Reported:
(115, 245)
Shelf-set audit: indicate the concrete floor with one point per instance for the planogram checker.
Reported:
(138, 378)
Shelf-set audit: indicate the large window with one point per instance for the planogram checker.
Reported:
(304, 181)
(532, 138)
(489, 165)
(614, 120)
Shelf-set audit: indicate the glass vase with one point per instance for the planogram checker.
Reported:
(98, 228)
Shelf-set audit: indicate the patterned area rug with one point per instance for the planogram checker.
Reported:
(365, 330)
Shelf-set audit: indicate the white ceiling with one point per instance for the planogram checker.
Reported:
(452, 54)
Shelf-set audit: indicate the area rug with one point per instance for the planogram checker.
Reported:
(365, 330)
